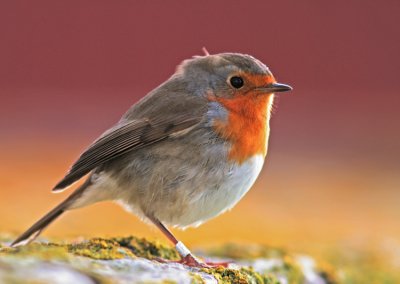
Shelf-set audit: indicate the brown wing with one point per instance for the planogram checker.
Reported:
(123, 138)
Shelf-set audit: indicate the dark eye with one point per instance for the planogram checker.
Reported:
(237, 82)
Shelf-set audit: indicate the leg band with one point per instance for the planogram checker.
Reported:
(182, 249)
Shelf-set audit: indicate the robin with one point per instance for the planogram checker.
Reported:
(185, 153)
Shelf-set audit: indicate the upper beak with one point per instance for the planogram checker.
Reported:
(275, 87)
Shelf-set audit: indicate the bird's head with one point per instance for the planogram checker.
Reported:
(240, 91)
(229, 75)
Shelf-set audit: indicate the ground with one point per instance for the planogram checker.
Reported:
(134, 260)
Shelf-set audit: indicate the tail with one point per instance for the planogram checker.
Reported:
(34, 231)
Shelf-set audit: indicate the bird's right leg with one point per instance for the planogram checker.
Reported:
(187, 257)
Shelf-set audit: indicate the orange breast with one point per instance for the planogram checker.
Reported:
(246, 126)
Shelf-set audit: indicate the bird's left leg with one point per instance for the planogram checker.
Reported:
(187, 257)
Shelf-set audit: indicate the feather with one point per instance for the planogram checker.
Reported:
(126, 136)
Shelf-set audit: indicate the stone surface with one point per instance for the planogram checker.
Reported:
(132, 260)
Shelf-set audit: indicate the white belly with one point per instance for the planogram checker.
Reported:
(211, 196)
(210, 203)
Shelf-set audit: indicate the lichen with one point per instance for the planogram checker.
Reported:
(38, 250)
(289, 269)
(123, 247)
(147, 249)
(196, 278)
(100, 248)
(240, 276)
(132, 247)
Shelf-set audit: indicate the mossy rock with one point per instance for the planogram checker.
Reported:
(241, 276)
(134, 260)
(142, 247)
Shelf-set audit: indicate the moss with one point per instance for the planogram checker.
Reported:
(39, 250)
(289, 269)
(99, 248)
(116, 248)
(132, 247)
(240, 276)
(95, 248)
(196, 279)
(147, 249)
(254, 277)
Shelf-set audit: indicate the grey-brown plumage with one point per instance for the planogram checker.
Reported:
(35, 230)
(164, 160)
(125, 137)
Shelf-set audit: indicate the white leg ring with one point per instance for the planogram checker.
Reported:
(182, 249)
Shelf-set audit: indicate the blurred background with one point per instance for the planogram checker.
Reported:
(70, 69)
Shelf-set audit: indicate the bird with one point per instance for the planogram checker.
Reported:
(185, 153)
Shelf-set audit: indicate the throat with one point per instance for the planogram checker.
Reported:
(246, 126)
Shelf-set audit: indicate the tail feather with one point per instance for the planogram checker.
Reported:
(34, 231)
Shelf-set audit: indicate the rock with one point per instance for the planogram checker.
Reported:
(132, 260)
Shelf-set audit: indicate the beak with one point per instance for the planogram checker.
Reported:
(275, 88)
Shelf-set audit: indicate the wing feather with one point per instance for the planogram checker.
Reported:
(125, 137)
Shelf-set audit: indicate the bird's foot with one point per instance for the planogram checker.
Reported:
(191, 261)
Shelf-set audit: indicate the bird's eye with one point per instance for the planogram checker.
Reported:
(236, 82)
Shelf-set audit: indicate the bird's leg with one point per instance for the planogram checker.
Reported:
(187, 258)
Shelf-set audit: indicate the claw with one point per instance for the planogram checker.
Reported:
(191, 261)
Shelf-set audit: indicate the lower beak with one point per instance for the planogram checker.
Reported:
(275, 88)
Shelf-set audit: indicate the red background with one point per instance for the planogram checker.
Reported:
(69, 69)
